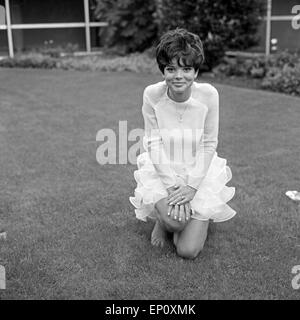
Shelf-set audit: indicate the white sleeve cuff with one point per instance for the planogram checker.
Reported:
(194, 181)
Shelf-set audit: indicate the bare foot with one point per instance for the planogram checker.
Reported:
(158, 235)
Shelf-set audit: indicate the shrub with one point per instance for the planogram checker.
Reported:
(131, 26)
(285, 80)
(133, 62)
(221, 24)
(30, 60)
(55, 51)
(284, 58)
(254, 68)
(279, 72)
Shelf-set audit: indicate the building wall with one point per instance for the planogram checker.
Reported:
(47, 11)
(283, 7)
(36, 11)
(283, 31)
(50, 11)
(3, 36)
(287, 37)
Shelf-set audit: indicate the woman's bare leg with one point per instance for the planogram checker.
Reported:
(175, 238)
(192, 238)
(164, 224)
(158, 235)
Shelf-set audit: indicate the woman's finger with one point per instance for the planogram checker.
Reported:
(180, 190)
(182, 202)
(177, 199)
(183, 199)
(176, 191)
(181, 213)
(190, 208)
(187, 211)
(169, 210)
(173, 196)
(172, 212)
(176, 212)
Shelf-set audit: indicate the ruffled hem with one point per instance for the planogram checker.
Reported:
(209, 202)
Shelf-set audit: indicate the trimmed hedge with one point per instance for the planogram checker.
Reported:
(30, 60)
(133, 62)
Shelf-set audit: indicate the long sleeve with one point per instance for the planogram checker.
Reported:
(209, 141)
(153, 144)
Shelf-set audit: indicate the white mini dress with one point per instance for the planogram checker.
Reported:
(180, 148)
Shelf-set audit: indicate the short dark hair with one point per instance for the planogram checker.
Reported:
(182, 45)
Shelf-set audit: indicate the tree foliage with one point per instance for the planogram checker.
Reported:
(134, 25)
(131, 27)
(221, 24)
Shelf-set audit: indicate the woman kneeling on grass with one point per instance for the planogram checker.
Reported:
(181, 181)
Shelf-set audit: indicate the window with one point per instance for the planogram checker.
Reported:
(2, 15)
(60, 23)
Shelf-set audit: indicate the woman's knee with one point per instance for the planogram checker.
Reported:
(174, 226)
(170, 224)
(188, 251)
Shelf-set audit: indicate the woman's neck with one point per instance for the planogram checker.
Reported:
(180, 97)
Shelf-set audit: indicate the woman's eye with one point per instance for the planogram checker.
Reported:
(170, 69)
(187, 69)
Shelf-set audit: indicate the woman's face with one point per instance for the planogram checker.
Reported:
(179, 79)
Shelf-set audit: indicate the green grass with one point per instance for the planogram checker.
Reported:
(72, 233)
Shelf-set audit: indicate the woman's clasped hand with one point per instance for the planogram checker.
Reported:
(179, 202)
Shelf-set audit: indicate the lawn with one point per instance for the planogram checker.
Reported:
(71, 231)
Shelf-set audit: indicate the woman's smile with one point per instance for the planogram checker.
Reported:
(179, 80)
